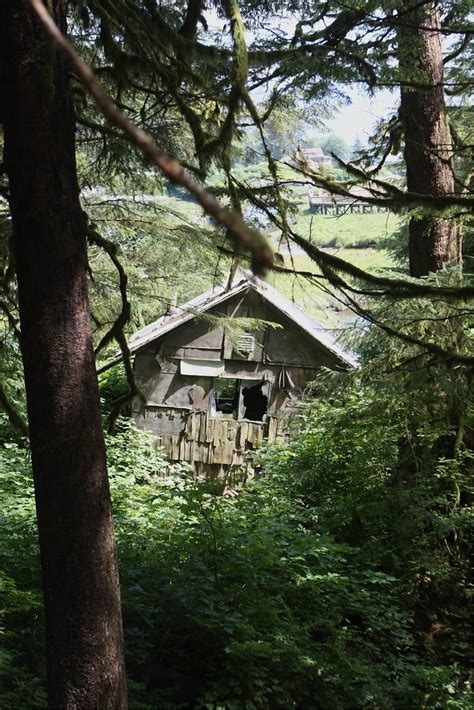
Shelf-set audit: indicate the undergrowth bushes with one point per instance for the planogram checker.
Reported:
(335, 580)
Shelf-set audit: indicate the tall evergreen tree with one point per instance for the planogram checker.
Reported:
(80, 578)
(356, 148)
(428, 151)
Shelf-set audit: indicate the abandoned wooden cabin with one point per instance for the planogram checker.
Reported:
(211, 398)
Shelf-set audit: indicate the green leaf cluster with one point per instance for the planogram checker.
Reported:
(336, 578)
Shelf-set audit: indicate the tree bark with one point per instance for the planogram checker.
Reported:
(80, 577)
(433, 242)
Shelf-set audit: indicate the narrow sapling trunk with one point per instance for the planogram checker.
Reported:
(433, 242)
(80, 578)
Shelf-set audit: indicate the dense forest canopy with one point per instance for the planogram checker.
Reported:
(149, 151)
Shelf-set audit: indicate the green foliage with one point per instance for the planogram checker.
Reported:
(112, 385)
(233, 603)
(335, 144)
(377, 463)
(11, 383)
(338, 578)
(335, 579)
(159, 239)
(22, 665)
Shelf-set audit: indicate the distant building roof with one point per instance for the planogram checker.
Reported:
(243, 282)
(314, 153)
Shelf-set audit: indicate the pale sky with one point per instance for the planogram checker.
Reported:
(358, 118)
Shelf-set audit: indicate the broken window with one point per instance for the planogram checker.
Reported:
(255, 400)
(226, 396)
(240, 399)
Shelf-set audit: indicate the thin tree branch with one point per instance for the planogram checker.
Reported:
(245, 236)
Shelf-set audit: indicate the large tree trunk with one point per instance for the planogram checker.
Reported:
(433, 243)
(80, 578)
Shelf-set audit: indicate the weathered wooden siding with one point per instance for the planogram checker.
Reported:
(171, 389)
(195, 437)
(290, 346)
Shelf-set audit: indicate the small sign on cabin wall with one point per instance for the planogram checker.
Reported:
(245, 344)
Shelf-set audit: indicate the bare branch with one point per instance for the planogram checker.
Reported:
(116, 331)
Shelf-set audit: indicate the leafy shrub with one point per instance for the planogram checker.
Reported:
(22, 666)
(334, 580)
(377, 466)
(235, 603)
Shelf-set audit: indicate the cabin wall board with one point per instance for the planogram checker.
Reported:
(195, 339)
(147, 373)
(168, 367)
(196, 334)
(290, 345)
(168, 386)
(257, 354)
(169, 352)
(162, 421)
(251, 305)
(243, 370)
(182, 391)
(163, 382)
(196, 438)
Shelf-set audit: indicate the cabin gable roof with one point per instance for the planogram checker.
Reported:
(244, 282)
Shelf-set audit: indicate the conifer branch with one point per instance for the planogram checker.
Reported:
(449, 355)
(244, 236)
(393, 287)
(385, 194)
(247, 237)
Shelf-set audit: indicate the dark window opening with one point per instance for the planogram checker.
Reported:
(240, 399)
(255, 402)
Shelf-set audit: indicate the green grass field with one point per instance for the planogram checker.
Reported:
(357, 238)
(313, 298)
(348, 230)
(351, 234)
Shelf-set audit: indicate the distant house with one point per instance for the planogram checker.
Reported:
(317, 155)
(210, 398)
